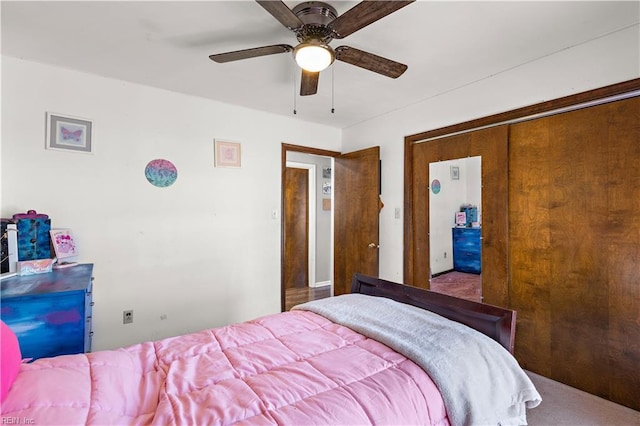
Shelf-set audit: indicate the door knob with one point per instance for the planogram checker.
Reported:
(373, 245)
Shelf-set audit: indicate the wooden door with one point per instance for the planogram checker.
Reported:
(296, 229)
(492, 145)
(357, 209)
(574, 247)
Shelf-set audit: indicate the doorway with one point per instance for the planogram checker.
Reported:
(354, 216)
(308, 224)
(307, 266)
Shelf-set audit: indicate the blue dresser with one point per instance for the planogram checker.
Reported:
(467, 250)
(51, 312)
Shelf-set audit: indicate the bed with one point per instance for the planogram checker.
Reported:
(384, 354)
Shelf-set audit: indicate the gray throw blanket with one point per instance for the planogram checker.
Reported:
(480, 382)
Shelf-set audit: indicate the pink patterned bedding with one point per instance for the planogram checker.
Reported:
(291, 368)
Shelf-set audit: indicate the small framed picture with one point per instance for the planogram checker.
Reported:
(66, 133)
(63, 243)
(326, 172)
(455, 173)
(227, 154)
(326, 188)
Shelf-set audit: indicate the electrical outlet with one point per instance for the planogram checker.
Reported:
(127, 317)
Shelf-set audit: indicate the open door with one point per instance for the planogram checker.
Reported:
(357, 210)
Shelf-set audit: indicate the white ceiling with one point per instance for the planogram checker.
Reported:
(163, 44)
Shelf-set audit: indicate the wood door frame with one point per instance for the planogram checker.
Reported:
(311, 228)
(305, 150)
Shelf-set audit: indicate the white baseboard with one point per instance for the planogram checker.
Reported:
(321, 284)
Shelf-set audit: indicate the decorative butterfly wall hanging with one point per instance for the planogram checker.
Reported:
(71, 135)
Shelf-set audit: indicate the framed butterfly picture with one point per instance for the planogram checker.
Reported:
(68, 133)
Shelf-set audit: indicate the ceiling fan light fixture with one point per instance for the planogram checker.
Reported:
(313, 56)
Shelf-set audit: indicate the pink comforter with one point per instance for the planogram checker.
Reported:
(292, 368)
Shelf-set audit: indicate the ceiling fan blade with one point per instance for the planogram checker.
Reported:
(370, 61)
(282, 13)
(250, 53)
(309, 83)
(363, 14)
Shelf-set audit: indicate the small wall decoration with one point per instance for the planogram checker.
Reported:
(326, 204)
(326, 188)
(161, 173)
(455, 173)
(227, 154)
(435, 186)
(326, 172)
(63, 243)
(68, 133)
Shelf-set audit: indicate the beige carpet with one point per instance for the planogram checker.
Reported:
(564, 405)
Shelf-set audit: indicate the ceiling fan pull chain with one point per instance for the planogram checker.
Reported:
(294, 89)
(333, 110)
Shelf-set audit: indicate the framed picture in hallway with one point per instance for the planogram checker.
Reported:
(326, 188)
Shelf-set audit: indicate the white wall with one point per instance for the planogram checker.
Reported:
(204, 251)
(610, 59)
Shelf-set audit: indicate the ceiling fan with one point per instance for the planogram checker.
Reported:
(315, 25)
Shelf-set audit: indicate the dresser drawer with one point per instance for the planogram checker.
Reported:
(467, 250)
(47, 325)
(50, 313)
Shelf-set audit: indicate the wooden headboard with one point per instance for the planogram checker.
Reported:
(497, 323)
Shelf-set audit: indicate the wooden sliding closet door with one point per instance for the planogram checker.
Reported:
(491, 145)
(574, 238)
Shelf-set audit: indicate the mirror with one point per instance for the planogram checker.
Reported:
(455, 227)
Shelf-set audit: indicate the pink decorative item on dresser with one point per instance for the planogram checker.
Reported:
(31, 267)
